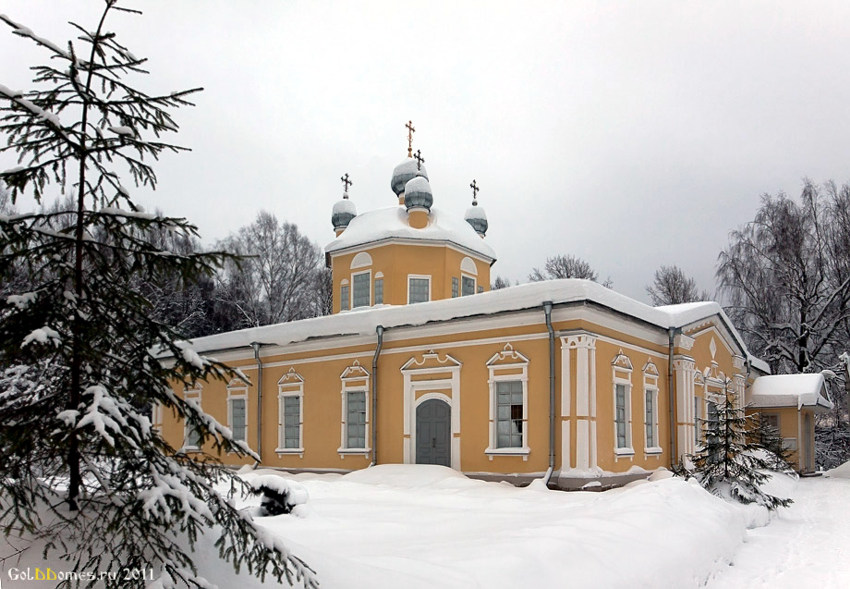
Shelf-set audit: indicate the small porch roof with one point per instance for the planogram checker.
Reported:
(789, 390)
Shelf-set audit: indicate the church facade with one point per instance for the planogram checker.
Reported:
(421, 362)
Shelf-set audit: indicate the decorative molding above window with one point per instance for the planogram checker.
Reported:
(468, 265)
(622, 362)
(361, 260)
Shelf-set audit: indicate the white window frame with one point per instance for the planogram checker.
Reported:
(344, 300)
(355, 378)
(474, 280)
(191, 395)
(651, 392)
(622, 375)
(650, 388)
(236, 390)
(368, 289)
(378, 276)
(508, 365)
(423, 277)
(290, 385)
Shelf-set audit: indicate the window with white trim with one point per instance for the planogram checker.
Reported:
(508, 403)
(698, 422)
(191, 436)
(510, 414)
(237, 409)
(354, 432)
(650, 408)
(622, 376)
(361, 284)
(621, 414)
(467, 286)
(344, 296)
(355, 421)
(379, 291)
(290, 397)
(418, 289)
(651, 417)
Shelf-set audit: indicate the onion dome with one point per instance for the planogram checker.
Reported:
(343, 212)
(404, 172)
(417, 193)
(476, 217)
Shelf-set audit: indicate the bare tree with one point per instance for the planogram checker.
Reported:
(277, 278)
(561, 266)
(786, 277)
(671, 287)
(500, 283)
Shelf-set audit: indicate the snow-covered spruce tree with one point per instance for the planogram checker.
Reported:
(727, 464)
(84, 475)
(761, 434)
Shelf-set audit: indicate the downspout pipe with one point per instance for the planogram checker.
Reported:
(547, 310)
(671, 391)
(380, 331)
(256, 347)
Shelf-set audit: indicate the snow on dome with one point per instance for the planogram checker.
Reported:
(476, 217)
(404, 172)
(789, 390)
(392, 223)
(343, 212)
(417, 193)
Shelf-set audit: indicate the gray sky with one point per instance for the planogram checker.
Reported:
(631, 134)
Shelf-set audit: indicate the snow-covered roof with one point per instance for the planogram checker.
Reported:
(391, 223)
(703, 309)
(525, 296)
(789, 390)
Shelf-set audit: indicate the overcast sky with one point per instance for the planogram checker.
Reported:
(631, 134)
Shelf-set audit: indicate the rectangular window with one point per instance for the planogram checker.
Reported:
(467, 286)
(191, 436)
(238, 418)
(454, 287)
(712, 420)
(343, 298)
(292, 421)
(379, 291)
(509, 414)
(355, 422)
(697, 420)
(771, 421)
(419, 290)
(621, 417)
(361, 283)
(651, 437)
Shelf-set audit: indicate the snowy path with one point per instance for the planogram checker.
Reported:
(806, 545)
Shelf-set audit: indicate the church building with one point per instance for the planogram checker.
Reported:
(420, 362)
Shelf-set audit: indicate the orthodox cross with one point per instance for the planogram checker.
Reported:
(410, 131)
(346, 182)
(474, 187)
(419, 159)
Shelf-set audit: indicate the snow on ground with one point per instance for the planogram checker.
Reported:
(806, 545)
(427, 526)
(423, 526)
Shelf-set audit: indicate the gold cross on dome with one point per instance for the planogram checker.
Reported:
(346, 182)
(410, 131)
(419, 159)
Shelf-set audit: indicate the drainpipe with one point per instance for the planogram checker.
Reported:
(547, 310)
(256, 346)
(380, 331)
(671, 386)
